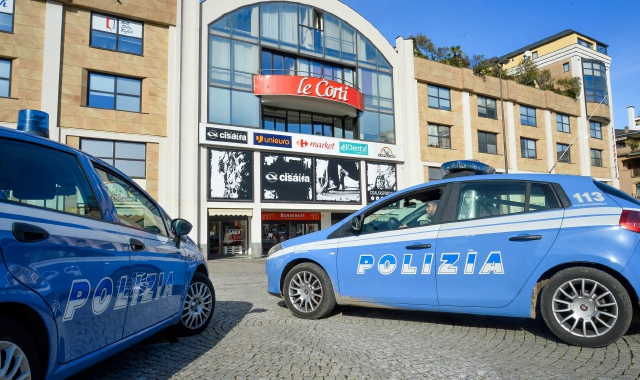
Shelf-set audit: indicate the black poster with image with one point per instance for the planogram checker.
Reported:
(381, 180)
(337, 180)
(287, 178)
(230, 175)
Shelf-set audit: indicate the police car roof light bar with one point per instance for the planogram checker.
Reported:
(471, 167)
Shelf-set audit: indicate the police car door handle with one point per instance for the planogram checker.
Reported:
(28, 233)
(419, 246)
(136, 245)
(525, 238)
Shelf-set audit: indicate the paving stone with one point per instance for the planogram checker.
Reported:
(254, 336)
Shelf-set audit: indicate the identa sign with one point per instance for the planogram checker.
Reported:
(291, 216)
(308, 87)
(227, 135)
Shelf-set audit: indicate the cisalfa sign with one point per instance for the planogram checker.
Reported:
(308, 87)
(226, 136)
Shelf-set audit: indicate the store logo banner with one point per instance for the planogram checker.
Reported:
(267, 139)
(226, 135)
(323, 145)
(354, 148)
(6, 6)
(386, 152)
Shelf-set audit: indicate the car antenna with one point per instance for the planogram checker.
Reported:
(574, 139)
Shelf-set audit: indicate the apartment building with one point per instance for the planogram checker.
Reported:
(628, 153)
(100, 70)
(262, 121)
(572, 54)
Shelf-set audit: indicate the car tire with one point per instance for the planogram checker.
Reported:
(16, 341)
(586, 307)
(198, 307)
(308, 291)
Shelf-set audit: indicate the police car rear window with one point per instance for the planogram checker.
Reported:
(615, 192)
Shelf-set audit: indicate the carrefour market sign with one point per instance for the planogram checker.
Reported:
(299, 143)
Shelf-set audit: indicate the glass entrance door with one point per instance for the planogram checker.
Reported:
(228, 236)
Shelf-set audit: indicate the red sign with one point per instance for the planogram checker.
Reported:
(291, 216)
(308, 87)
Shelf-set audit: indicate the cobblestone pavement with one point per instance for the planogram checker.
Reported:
(254, 336)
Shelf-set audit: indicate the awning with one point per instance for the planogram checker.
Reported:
(230, 212)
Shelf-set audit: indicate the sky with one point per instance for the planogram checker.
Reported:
(495, 28)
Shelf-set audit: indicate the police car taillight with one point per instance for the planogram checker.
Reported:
(630, 220)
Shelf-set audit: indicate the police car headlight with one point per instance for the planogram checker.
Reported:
(275, 249)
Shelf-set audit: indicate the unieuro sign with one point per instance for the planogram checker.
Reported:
(308, 87)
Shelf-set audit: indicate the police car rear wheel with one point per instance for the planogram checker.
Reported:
(18, 355)
(308, 292)
(586, 307)
(198, 307)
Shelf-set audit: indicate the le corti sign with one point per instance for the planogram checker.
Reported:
(260, 139)
(309, 87)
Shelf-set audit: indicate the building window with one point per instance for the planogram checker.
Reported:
(6, 16)
(487, 107)
(282, 120)
(534, 55)
(566, 67)
(562, 123)
(439, 97)
(527, 148)
(601, 49)
(528, 116)
(113, 33)
(596, 157)
(311, 30)
(487, 142)
(563, 153)
(5, 78)
(584, 43)
(435, 173)
(595, 81)
(128, 157)
(439, 136)
(377, 88)
(596, 130)
(115, 93)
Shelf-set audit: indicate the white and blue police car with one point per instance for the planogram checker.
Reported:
(522, 245)
(91, 264)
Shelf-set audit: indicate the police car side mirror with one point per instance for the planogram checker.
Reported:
(180, 227)
(356, 225)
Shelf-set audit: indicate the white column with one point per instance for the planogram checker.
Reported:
(408, 117)
(255, 237)
(466, 125)
(169, 173)
(188, 173)
(51, 66)
(582, 127)
(512, 147)
(613, 153)
(551, 156)
(631, 114)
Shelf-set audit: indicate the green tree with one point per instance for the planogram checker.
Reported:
(526, 73)
(570, 87)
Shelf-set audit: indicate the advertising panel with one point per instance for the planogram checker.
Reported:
(337, 180)
(227, 136)
(6, 6)
(269, 139)
(381, 180)
(287, 178)
(231, 175)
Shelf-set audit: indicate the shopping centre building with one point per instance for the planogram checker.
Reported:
(262, 121)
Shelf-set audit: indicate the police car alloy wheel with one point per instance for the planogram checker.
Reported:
(198, 306)
(308, 292)
(586, 307)
(18, 356)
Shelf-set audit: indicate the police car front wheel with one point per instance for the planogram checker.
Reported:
(308, 292)
(198, 306)
(18, 352)
(586, 307)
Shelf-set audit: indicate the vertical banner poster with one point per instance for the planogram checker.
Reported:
(337, 180)
(381, 180)
(231, 175)
(287, 178)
